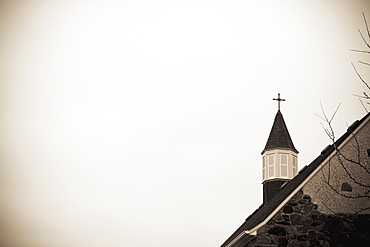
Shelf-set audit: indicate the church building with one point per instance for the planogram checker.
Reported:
(326, 203)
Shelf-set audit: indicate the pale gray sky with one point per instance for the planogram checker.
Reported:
(136, 123)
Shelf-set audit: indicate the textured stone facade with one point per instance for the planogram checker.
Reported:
(343, 183)
(300, 223)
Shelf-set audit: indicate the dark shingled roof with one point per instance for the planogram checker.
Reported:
(279, 137)
(267, 208)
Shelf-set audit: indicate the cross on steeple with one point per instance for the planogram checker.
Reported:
(278, 100)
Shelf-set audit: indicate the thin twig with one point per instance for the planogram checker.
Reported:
(320, 118)
(358, 74)
(367, 28)
(335, 112)
(360, 96)
(363, 106)
(368, 64)
(360, 51)
(366, 96)
(363, 38)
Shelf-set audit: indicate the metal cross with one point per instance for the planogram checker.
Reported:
(279, 99)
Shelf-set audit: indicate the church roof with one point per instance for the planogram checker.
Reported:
(266, 209)
(279, 137)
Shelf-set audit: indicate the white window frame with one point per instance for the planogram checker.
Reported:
(284, 165)
(294, 165)
(264, 168)
(271, 165)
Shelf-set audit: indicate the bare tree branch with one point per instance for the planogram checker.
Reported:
(363, 105)
(368, 64)
(363, 81)
(360, 96)
(363, 38)
(367, 28)
(360, 51)
(354, 168)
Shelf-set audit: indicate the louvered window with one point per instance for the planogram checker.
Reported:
(284, 165)
(271, 165)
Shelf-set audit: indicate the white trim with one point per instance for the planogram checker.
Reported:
(264, 172)
(242, 234)
(313, 173)
(294, 165)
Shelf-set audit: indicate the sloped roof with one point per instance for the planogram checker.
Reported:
(267, 208)
(279, 137)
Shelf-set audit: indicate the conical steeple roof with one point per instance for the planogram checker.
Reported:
(279, 137)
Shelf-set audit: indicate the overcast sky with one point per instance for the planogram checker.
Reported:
(141, 123)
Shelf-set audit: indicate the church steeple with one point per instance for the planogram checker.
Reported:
(279, 157)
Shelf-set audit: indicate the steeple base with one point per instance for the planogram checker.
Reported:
(271, 187)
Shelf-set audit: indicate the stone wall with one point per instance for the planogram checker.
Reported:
(347, 182)
(300, 223)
